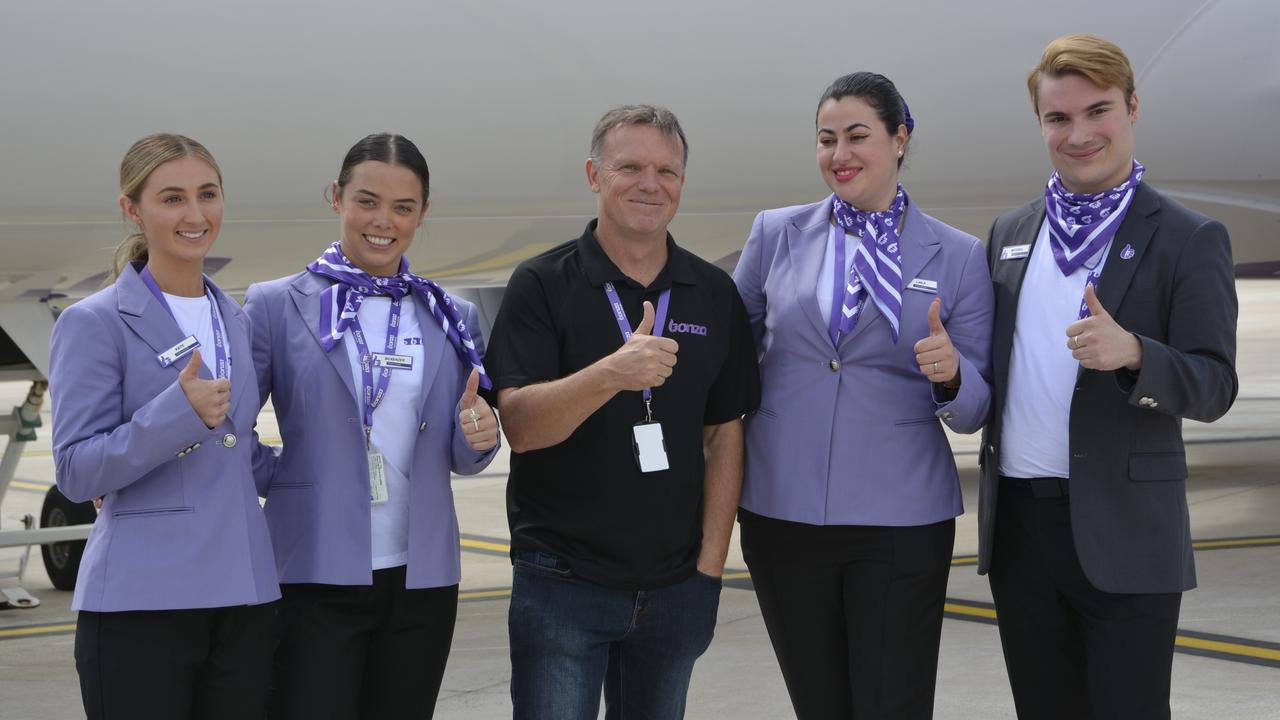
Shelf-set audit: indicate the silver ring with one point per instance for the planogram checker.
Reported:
(1075, 342)
(935, 367)
(474, 415)
(475, 424)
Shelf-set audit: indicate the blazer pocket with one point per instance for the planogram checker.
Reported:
(152, 511)
(916, 421)
(766, 412)
(292, 486)
(1157, 467)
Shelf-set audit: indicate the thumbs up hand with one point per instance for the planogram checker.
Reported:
(475, 417)
(935, 354)
(644, 360)
(211, 399)
(1099, 343)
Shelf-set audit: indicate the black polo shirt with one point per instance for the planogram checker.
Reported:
(585, 499)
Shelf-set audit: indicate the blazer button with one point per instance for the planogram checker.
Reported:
(948, 415)
(229, 440)
(834, 365)
(422, 427)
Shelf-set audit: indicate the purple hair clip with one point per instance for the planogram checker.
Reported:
(909, 121)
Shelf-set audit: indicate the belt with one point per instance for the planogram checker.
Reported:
(1039, 487)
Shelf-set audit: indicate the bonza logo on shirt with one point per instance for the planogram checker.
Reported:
(411, 341)
(690, 328)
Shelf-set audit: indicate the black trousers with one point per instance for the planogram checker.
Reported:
(362, 651)
(1073, 651)
(174, 664)
(854, 612)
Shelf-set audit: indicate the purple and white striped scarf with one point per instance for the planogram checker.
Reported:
(877, 261)
(1081, 225)
(340, 301)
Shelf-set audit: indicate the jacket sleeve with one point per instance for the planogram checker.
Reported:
(1193, 375)
(749, 276)
(969, 326)
(467, 461)
(96, 449)
(256, 309)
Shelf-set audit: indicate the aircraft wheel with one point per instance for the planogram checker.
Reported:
(62, 560)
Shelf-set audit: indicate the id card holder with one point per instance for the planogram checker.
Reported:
(377, 479)
(650, 448)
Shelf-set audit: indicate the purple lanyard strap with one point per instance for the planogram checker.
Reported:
(222, 366)
(373, 394)
(624, 325)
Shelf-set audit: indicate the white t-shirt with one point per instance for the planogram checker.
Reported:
(395, 422)
(1042, 373)
(193, 316)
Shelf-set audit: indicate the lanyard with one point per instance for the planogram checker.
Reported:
(659, 322)
(373, 394)
(222, 367)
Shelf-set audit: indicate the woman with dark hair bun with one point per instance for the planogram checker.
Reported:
(373, 372)
(873, 322)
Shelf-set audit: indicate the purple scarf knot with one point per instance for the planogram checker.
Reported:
(1081, 225)
(340, 301)
(877, 264)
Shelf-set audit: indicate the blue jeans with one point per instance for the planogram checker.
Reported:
(570, 638)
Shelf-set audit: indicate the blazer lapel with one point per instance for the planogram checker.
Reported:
(434, 345)
(807, 235)
(145, 316)
(305, 293)
(1131, 240)
(1010, 274)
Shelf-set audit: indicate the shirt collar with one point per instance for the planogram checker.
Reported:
(600, 269)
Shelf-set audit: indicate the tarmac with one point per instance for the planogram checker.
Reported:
(1227, 665)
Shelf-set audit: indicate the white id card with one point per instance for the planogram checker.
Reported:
(1014, 252)
(377, 479)
(651, 451)
(395, 362)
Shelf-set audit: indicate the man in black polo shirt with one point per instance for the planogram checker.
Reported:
(623, 365)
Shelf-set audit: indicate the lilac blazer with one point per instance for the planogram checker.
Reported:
(180, 525)
(850, 435)
(318, 500)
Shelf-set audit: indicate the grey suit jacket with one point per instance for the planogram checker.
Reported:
(1128, 466)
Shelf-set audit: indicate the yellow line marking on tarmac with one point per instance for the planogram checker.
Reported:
(483, 594)
(484, 545)
(23, 485)
(37, 630)
(1240, 542)
(1228, 648)
(736, 575)
(970, 610)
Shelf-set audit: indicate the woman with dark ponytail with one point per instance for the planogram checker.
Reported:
(373, 372)
(873, 322)
(176, 590)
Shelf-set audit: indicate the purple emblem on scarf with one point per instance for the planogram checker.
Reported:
(1081, 225)
(877, 264)
(340, 301)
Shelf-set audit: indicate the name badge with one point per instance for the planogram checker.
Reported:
(1014, 252)
(651, 450)
(378, 492)
(395, 362)
(179, 351)
(929, 286)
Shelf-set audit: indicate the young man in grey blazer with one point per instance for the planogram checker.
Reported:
(1115, 318)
